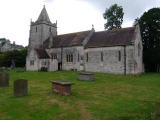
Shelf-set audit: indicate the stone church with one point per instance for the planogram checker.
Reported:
(116, 51)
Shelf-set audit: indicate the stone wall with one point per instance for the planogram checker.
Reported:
(54, 51)
(113, 61)
(119, 59)
(32, 56)
(37, 63)
(39, 33)
(138, 49)
(53, 65)
(130, 60)
(47, 30)
(35, 36)
(110, 62)
(78, 53)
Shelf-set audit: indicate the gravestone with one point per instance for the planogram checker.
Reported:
(4, 79)
(20, 87)
(86, 76)
(157, 112)
(62, 87)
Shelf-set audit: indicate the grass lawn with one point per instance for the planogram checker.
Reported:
(110, 97)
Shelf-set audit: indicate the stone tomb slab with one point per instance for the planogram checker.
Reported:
(62, 87)
(20, 87)
(4, 79)
(86, 76)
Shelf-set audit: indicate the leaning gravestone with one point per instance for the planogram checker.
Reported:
(20, 87)
(4, 79)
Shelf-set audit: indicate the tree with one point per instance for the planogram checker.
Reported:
(150, 31)
(114, 16)
(17, 57)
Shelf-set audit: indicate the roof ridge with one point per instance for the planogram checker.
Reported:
(122, 29)
(74, 33)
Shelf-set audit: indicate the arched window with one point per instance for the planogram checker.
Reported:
(69, 57)
(78, 57)
(86, 57)
(119, 55)
(101, 56)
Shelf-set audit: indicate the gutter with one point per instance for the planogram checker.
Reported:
(125, 60)
(61, 57)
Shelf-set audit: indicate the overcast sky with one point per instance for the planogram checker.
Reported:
(72, 15)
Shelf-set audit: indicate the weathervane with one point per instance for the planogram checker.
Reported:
(92, 26)
(44, 1)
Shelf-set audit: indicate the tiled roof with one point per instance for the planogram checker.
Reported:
(67, 40)
(124, 36)
(118, 37)
(42, 54)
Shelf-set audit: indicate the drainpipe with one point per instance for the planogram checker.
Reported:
(125, 60)
(61, 57)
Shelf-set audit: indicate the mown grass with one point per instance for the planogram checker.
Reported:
(110, 97)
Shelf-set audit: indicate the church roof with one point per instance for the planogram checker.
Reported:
(43, 17)
(118, 37)
(68, 40)
(42, 54)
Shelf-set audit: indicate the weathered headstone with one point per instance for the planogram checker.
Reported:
(157, 112)
(4, 79)
(20, 87)
(86, 76)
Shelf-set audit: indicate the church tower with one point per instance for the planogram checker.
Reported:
(41, 29)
